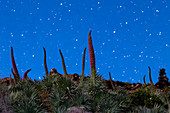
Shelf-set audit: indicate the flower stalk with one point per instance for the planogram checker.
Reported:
(63, 64)
(92, 57)
(144, 79)
(83, 63)
(14, 64)
(150, 78)
(25, 74)
(111, 80)
(45, 62)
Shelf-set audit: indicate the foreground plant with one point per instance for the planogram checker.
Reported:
(150, 78)
(60, 94)
(15, 70)
(63, 64)
(145, 97)
(111, 80)
(92, 57)
(45, 62)
(15, 73)
(25, 98)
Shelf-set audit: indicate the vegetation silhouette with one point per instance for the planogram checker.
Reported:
(73, 93)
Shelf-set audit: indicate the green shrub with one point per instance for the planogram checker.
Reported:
(144, 97)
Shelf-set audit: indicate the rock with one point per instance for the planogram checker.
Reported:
(77, 110)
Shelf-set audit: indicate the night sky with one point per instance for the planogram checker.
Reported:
(128, 36)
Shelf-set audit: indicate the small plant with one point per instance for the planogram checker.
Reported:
(145, 97)
(25, 97)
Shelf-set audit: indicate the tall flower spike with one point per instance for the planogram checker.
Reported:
(92, 57)
(150, 78)
(144, 79)
(83, 63)
(111, 80)
(63, 63)
(14, 65)
(25, 74)
(45, 62)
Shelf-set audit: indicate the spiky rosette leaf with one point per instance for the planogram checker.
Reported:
(155, 109)
(61, 94)
(145, 97)
(13, 64)
(45, 62)
(117, 102)
(25, 98)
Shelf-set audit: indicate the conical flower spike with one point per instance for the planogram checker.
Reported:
(144, 79)
(45, 62)
(25, 74)
(111, 80)
(92, 57)
(13, 64)
(83, 63)
(63, 63)
(150, 78)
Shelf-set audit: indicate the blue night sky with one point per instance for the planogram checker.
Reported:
(128, 36)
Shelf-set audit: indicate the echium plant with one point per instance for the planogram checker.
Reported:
(83, 63)
(92, 57)
(15, 73)
(25, 97)
(45, 62)
(15, 70)
(83, 66)
(63, 64)
(150, 78)
(60, 93)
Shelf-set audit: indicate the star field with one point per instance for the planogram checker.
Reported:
(128, 36)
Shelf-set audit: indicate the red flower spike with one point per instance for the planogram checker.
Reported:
(92, 56)
(91, 52)
(83, 62)
(63, 63)
(45, 62)
(13, 64)
(25, 74)
(150, 78)
(144, 79)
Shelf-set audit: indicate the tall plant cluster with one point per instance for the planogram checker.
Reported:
(73, 93)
